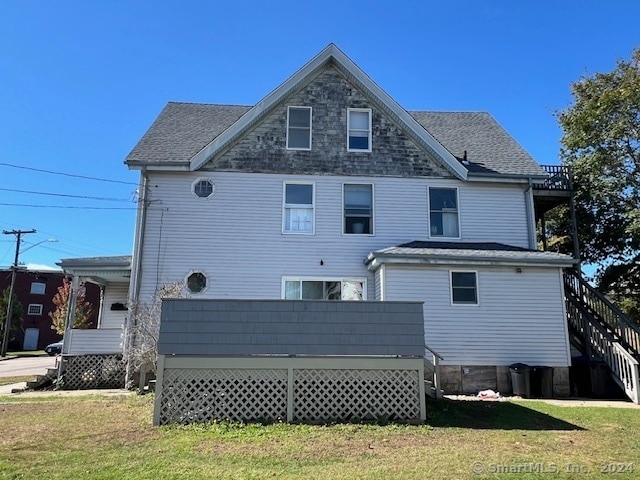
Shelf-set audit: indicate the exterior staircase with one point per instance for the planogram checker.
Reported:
(607, 334)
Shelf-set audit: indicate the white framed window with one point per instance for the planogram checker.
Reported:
(464, 287)
(298, 128)
(196, 282)
(34, 309)
(358, 130)
(38, 288)
(310, 288)
(358, 208)
(298, 208)
(444, 218)
(203, 188)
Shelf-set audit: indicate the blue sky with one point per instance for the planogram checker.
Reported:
(80, 82)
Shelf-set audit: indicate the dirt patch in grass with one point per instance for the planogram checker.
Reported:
(90, 422)
(10, 380)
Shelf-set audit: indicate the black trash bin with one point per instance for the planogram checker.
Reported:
(580, 376)
(599, 373)
(542, 382)
(521, 379)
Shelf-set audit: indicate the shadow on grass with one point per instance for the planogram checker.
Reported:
(491, 416)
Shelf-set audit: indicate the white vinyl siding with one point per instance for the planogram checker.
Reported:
(358, 130)
(520, 317)
(94, 341)
(298, 211)
(114, 293)
(237, 237)
(299, 128)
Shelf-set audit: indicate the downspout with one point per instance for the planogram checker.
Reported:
(134, 287)
(528, 201)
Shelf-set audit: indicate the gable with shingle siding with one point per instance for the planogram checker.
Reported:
(263, 148)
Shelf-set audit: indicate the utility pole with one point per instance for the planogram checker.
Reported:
(14, 270)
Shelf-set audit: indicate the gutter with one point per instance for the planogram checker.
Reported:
(373, 262)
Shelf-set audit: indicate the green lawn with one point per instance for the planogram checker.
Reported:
(112, 438)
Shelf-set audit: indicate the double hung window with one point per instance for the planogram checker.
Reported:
(359, 130)
(358, 208)
(464, 288)
(298, 208)
(443, 212)
(299, 128)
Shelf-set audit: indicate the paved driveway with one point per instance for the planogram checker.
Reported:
(15, 367)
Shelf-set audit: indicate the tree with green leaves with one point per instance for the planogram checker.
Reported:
(601, 143)
(16, 317)
(84, 309)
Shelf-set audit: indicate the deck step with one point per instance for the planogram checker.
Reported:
(432, 391)
(43, 381)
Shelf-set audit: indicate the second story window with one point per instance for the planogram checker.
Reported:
(298, 208)
(38, 288)
(358, 209)
(359, 130)
(299, 128)
(443, 212)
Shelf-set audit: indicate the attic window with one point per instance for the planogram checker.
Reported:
(202, 188)
(196, 282)
(299, 128)
(359, 130)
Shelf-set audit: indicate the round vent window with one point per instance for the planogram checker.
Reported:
(196, 282)
(203, 188)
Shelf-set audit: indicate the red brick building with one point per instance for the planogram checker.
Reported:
(35, 291)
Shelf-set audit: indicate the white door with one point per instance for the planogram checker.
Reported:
(31, 339)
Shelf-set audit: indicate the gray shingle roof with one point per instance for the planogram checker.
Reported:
(470, 252)
(490, 149)
(183, 129)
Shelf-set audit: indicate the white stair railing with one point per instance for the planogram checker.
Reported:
(601, 344)
(435, 362)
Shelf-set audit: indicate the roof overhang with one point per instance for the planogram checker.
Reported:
(467, 257)
(99, 270)
(331, 55)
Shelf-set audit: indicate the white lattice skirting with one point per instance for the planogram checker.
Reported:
(293, 389)
(81, 372)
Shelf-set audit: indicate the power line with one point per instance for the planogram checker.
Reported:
(66, 206)
(66, 195)
(66, 174)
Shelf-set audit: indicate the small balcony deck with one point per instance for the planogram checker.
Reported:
(555, 190)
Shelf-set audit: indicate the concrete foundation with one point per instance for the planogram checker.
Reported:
(469, 380)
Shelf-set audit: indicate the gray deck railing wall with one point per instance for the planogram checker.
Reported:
(290, 327)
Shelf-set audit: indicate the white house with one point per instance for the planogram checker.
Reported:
(328, 189)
